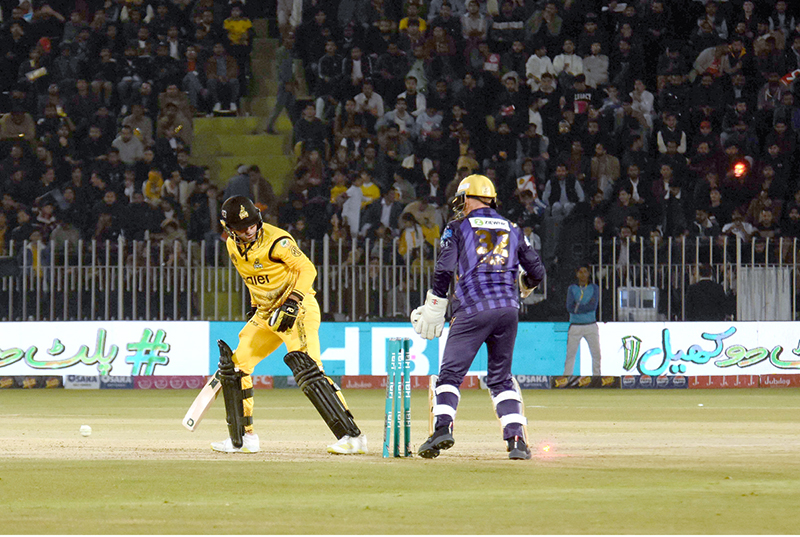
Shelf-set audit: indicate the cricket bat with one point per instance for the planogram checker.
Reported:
(202, 402)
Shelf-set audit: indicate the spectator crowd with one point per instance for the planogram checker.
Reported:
(99, 99)
(649, 119)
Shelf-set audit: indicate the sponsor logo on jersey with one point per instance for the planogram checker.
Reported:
(258, 265)
(448, 233)
(257, 280)
(295, 251)
(489, 223)
(284, 243)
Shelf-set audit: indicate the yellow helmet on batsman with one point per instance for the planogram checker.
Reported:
(473, 186)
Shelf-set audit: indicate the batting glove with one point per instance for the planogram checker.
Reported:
(283, 318)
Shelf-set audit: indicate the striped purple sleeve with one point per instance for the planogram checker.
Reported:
(447, 261)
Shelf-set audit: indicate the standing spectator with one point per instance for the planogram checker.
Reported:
(240, 35)
(706, 300)
(582, 302)
(287, 86)
(329, 76)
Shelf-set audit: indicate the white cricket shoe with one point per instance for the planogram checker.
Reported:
(349, 445)
(250, 444)
(233, 107)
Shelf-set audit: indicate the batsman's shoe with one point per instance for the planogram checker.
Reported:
(349, 445)
(518, 449)
(250, 444)
(442, 438)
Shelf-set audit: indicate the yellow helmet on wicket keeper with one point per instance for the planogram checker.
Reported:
(474, 186)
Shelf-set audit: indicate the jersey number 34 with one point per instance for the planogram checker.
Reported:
(492, 246)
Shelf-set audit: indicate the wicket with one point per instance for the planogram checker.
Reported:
(398, 386)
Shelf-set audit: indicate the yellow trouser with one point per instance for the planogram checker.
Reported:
(257, 341)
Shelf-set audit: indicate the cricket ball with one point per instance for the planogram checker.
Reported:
(86, 430)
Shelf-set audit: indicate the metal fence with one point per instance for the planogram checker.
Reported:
(356, 280)
(179, 280)
(669, 266)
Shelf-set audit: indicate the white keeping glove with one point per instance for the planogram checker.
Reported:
(428, 319)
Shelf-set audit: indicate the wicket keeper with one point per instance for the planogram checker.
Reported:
(284, 310)
(486, 252)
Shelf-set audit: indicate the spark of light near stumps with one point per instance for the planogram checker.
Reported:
(546, 449)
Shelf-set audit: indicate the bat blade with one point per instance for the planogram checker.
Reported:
(202, 403)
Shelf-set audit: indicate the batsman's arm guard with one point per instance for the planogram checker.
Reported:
(323, 393)
(231, 380)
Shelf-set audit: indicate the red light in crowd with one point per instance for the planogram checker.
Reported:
(739, 169)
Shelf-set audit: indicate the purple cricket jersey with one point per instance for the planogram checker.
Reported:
(486, 250)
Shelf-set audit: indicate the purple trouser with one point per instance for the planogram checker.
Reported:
(468, 331)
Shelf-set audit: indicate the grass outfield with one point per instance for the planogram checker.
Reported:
(620, 461)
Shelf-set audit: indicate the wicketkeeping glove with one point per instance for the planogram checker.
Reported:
(283, 318)
(526, 286)
(428, 319)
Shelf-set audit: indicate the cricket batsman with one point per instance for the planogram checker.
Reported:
(279, 277)
(486, 252)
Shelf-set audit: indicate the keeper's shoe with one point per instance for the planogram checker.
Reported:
(518, 449)
(250, 444)
(442, 438)
(349, 445)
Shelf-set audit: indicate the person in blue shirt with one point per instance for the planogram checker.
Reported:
(582, 300)
(486, 252)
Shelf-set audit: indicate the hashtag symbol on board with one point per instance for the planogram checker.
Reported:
(147, 353)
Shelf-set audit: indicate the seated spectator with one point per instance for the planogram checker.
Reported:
(545, 25)
(605, 170)
(17, 124)
(671, 132)
(562, 192)
(222, 78)
(92, 149)
(595, 67)
(141, 125)
(412, 238)
(174, 95)
(152, 187)
(704, 224)
(173, 127)
(399, 117)
(567, 64)
(385, 212)
(370, 104)
(311, 131)
(130, 147)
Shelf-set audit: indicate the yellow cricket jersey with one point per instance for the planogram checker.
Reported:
(272, 267)
(237, 30)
